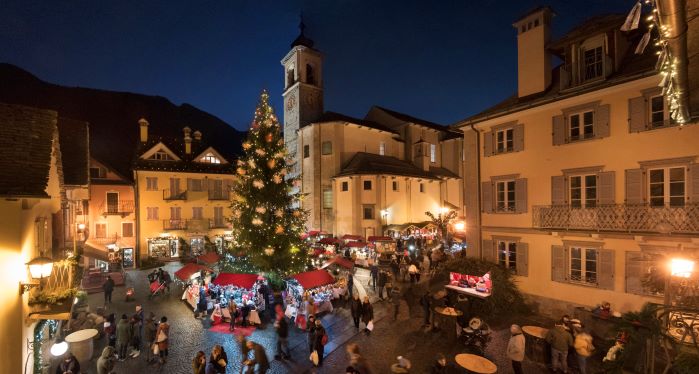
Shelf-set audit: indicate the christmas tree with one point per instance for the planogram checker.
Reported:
(266, 219)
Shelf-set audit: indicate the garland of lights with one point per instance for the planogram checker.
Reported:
(39, 338)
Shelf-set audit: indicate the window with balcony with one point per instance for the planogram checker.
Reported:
(151, 184)
(581, 126)
(175, 213)
(367, 185)
(593, 63)
(583, 191)
(344, 186)
(127, 229)
(666, 186)
(507, 254)
(505, 196)
(368, 211)
(326, 148)
(197, 212)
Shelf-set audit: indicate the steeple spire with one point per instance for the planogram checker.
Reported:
(302, 39)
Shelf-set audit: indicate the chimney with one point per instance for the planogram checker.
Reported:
(533, 58)
(143, 124)
(187, 140)
(197, 135)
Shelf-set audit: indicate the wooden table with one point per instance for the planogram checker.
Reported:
(476, 364)
(535, 331)
(536, 347)
(80, 343)
(449, 313)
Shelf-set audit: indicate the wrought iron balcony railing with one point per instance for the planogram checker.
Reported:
(619, 217)
(122, 207)
(216, 194)
(174, 224)
(198, 224)
(169, 194)
(218, 224)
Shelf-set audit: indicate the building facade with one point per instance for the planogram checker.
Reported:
(585, 182)
(364, 176)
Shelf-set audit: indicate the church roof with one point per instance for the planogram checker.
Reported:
(302, 39)
(333, 116)
(363, 163)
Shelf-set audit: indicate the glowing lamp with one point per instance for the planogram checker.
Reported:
(681, 268)
(444, 210)
(81, 226)
(459, 226)
(40, 267)
(59, 348)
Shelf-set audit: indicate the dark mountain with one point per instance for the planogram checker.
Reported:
(113, 116)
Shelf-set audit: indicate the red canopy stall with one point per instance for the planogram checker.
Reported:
(193, 276)
(242, 288)
(311, 291)
(210, 258)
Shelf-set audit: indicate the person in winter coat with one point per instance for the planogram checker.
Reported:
(199, 363)
(426, 302)
(162, 338)
(260, 357)
(350, 285)
(202, 307)
(69, 365)
(440, 365)
(233, 310)
(395, 300)
(219, 359)
(357, 362)
(110, 330)
(560, 340)
(356, 310)
(282, 327)
(243, 348)
(583, 347)
(374, 271)
(123, 336)
(412, 270)
(382, 283)
(108, 288)
(515, 348)
(367, 313)
(105, 364)
(318, 345)
(149, 329)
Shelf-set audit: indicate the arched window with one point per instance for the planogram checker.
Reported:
(310, 77)
(290, 76)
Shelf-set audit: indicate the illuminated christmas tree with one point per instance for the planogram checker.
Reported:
(266, 219)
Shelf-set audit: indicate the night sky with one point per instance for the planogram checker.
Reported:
(438, 60)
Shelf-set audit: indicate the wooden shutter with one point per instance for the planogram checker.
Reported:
(602, 121)
(559, 130)
(487, 194)
(488, 143)
(605, 187)
(518, 137)
(488, 250)
(522, 259)
(521, 195)
(558, 190)
(633, 185)
(190, 184)
(638, 117)
(693, 179)
(205, 184)
(559, 263)
(605, 269)
(634, 268)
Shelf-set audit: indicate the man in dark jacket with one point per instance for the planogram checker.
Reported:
(426, 302)
(382, 283)
(108, 287)
(123, 335)
(356, 309)
(395, 300)
(69, 365)
(149, 329)
(260, 358)
(350, 285)
(282, 327)
(318, 345)
(374, 271)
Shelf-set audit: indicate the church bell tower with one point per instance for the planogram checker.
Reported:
(303, 91)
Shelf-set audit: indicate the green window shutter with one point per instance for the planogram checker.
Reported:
(605, 269)
(605, 187)
(634, 269)
(488, 143)
(559, 263)
(487, 195)
(602, 121)
(558, 190)
(518, 137)
(633, 186)
(522, 259)
(559, 130)
(638, 117)
(488, 250)
(521, 195)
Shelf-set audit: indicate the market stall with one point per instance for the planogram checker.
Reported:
(210, 258)
(383, 244)
(471, 285)
(341, 268)
(359, 252)
(310, 292)
(351, 238)
(241, 288)
(193, 276)
(330, 244)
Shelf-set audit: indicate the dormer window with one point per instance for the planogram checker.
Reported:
(210, 158)
(161, 156)
(593, 63)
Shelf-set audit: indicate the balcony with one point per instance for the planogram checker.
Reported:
(218, 224)
(218, 194)
(174, 224)
(619, 217)
(198, 225)
(174, 195)
(120, 208)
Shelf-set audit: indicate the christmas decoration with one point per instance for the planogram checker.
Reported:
(267, 223)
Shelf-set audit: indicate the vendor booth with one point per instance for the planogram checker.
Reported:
(223, 242)
(359, 252)
(471, 285)
(193, 276)
(351, 238)
(243, 290)
(210, 258)
(310, 293)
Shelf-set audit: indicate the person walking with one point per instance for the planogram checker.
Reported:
(243, 348)
(319, 341)
(356, 310)
(350, 285)
(108, 287)
(202, 307)
(233, 311)
(374, 272)
(560, 340)
(149, 330)
(583, 346)
(357, 361)
(162, 338)
(310, 331)
(382, 283)
(199, 363)
(426, 303)
(282, 327)
(412, 270)
(124, 330)
(69, 365)
(259, 357)
(515, 348)
(367, 314)
(105, 364)
(395, 300)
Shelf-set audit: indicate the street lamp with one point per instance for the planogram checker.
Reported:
(79, 227)
(39, 268)
(681, 268)
(460, 226)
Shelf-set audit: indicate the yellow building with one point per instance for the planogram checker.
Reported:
(182, 193)
(583, 178)
(363, 176)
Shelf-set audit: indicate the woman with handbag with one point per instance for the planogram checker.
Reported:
(162, 338)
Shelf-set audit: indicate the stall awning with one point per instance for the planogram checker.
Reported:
(356, 244)
(234, 279)
(352, 237)
(313, 279)
(209, 258)
(317, 232)
(186, 271)
(380, 239)
(329, 241)
(341, 261)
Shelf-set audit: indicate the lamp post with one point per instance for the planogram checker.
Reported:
(39, 268)
(79, 227)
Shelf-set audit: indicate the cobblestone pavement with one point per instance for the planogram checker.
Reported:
(406, 337)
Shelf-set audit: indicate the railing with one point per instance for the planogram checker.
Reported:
(122, 207)
(216, 194)
(619, 217)
(174, 224)
(197, 224)
(218, 224)
(174, 195)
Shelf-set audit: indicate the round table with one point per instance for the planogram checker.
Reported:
(476, 364)
(536, 347)
(450, 312)
(80, 343)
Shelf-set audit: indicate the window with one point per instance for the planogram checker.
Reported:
(327, 198)
(422, 187)
(583, 191)
(394, 185)
(582, 125)
(667, 186)
(151, 213)
(659, 115)
(175, 212)
(505, 196)
(197, 212)
(306, 151)
(344, 186)
(326, 148)
(504, 141)
(151, 184)
(310, 75)
(583, 265)
(507, 254)
(100, 230)
(382, 148)
(161, 156)
(127, 229)
(290, 76)
(367, 185)
(210, 158)
(41, 228)
(433, 153)
(97, 172)
(593, 63)
(218, 217)
(196, 184)
(368, 212)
